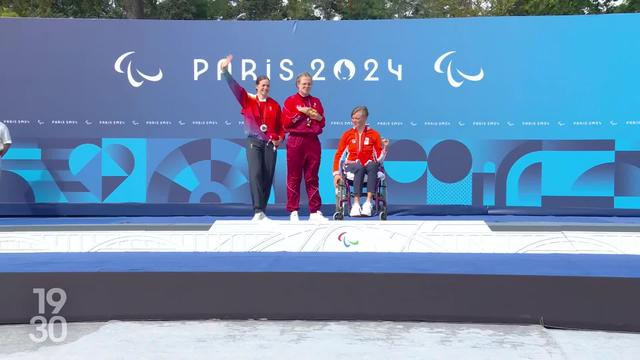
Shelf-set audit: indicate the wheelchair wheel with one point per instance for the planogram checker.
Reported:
(339, 203)
(383, 192)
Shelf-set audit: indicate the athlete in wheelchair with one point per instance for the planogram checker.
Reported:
(366, 151)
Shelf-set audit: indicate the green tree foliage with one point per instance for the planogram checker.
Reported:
(6, 12)
(190, 9)
(629, 6)
(399, 9)
(448, 8)
(261, 9)
(62, 8)
(364, 9)
(133, 9)
(307, 9)
(300, 10)
(550, 7)
(176, 9)
(327, 9)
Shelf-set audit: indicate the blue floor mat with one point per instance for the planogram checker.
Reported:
(622, 266)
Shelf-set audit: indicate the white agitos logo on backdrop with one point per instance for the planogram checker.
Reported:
(135, 83)
(437, 67)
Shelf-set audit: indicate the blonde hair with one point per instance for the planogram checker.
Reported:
(304, 74)
(359, 108)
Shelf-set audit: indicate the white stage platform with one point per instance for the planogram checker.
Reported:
(344, 236)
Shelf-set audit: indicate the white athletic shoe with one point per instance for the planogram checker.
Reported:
(366, 209)
(294, 216)
(259, 216)
(355, 210)
(317, 217)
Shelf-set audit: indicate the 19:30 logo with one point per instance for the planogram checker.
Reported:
(54, 327)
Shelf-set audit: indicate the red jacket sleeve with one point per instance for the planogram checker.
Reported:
(317, 126)
(279, 124)
(342, 146)
(238, 91)
(380, 154)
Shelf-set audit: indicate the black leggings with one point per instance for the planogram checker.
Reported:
(261, 157)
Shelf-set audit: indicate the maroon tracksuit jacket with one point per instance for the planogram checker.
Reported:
(303, 150)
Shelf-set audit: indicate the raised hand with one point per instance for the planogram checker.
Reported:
(314, 114)
(225, 63)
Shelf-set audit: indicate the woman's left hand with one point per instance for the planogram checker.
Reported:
(314, 114)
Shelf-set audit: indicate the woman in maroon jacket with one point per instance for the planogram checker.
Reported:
(303, 119)
(264, 133)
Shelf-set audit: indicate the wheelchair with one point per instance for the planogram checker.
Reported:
(344, 196)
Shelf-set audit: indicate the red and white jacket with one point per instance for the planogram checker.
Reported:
(297, 123)
(256, 112)
(362, 148)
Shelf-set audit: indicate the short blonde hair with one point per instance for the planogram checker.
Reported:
(359, 108)
(304, 74)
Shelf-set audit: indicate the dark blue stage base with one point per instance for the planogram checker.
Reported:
(566, 291)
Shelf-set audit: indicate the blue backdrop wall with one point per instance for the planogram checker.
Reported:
(525, 114)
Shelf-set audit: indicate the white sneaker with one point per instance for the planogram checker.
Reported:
(355, 210)
(317, 217)
(294, 216)
(366, 209)
(259, 216)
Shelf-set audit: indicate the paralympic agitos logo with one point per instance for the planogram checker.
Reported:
(134, 79)
(437, 67)
(346, 242)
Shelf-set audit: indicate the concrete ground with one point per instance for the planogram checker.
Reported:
(215, 339)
